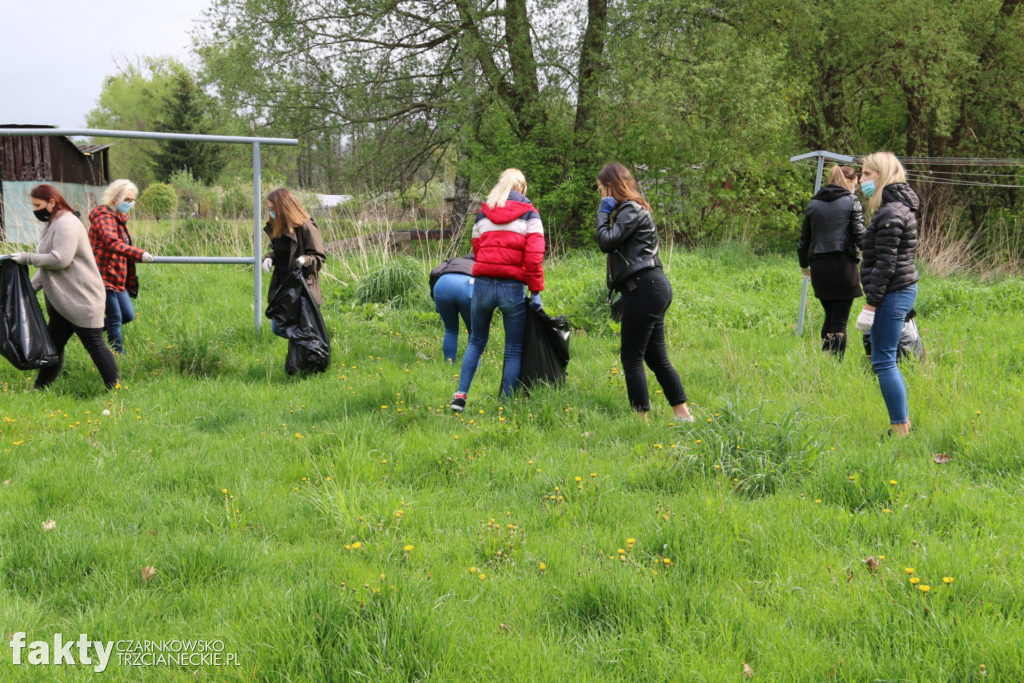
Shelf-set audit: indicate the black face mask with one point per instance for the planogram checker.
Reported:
(43, 214)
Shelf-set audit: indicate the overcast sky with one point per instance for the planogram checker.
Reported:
(54, 54)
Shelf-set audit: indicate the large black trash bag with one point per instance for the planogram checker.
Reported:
(24, 338)
(292, 307)
(545, 349)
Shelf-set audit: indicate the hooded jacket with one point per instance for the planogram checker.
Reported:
(833, 221)
(890, 244)
(508, 242)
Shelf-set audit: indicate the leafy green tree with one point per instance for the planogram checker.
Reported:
(133, 99)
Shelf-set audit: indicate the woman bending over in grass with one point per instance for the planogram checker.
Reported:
(626, 232)
(889, 275)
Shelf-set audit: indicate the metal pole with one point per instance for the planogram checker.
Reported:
(803, 291)
(247, 260)
(257, 210)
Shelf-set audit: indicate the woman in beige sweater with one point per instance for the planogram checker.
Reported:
(71, 284)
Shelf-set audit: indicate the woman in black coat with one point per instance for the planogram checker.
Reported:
(626, 232)
(832, 232)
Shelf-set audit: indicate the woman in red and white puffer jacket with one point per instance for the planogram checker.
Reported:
(508, 241)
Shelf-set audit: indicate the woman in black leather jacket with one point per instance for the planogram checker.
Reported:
(832, 232)
(626, 232)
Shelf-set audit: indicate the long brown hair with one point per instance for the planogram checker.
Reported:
(49, 193)
(839, 175)
(621, 184)
(288, 213)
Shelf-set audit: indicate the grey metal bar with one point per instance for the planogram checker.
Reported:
(257, 210)
(145, 135)
(245, 260)
(822, 153)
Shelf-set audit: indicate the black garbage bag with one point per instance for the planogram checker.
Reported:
(292, 307)
(545, 349)
(24, 338)
(910, 345)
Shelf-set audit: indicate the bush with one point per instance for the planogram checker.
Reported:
(158, 201)
(396, 283)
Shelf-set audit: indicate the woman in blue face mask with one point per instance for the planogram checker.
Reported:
(116, 257)
(888, 274)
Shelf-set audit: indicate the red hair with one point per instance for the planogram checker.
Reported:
(621, 184)
(49, 193)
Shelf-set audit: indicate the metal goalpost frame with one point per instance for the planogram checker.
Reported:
(820, 156)
(257, 191)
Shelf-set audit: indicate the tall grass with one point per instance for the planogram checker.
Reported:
(348, 527)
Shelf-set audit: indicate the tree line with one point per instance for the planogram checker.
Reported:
(706, 98)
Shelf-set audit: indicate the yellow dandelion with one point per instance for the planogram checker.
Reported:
(881, 557)
(472, 570)
(593, 474)
(893, 482)
(383, 407)
(630, 541)
(924, 588)
(620, 551)
(299, 436)
(408, 548)
(542, 566)
(482, 576)
(667, 561)
(914, 580)
(947, 580)
(886, 510)
(224, 491)
(817, 500)
(852, 477)
(578, 479)
(399, 513)
(357, 545)
(909, 570)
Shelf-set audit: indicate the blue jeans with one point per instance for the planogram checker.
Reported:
(509, 296)
(885, 341)
(120, 311)
(453, 297)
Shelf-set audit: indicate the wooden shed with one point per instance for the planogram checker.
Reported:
(79, 173)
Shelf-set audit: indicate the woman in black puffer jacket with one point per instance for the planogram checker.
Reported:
(626, 232)
(832, 231)
(889, 275)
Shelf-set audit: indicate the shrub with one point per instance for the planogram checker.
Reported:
(395, 282)
(158, 201)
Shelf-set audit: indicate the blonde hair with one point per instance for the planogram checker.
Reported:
(510, 179)
(288, 213)
(117, 190)
(889, 170)
(841, 175)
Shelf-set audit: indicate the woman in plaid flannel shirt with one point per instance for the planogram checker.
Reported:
(116, 257)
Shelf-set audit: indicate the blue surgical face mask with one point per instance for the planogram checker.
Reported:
(125, 207)
(272, 215)
(867, 187)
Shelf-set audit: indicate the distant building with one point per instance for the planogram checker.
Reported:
(79, 173)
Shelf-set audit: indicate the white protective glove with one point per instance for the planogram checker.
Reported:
(20, 257)
(865, 320)
(147, 257)
(302, 261)
(267, 263)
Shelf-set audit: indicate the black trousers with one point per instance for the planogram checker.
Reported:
(833, 329)
(61, 330)
(645, 299)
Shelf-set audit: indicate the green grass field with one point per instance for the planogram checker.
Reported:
(348, 527)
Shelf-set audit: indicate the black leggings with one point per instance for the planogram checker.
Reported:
(643, 339)
(61, 330)
(833, 329)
